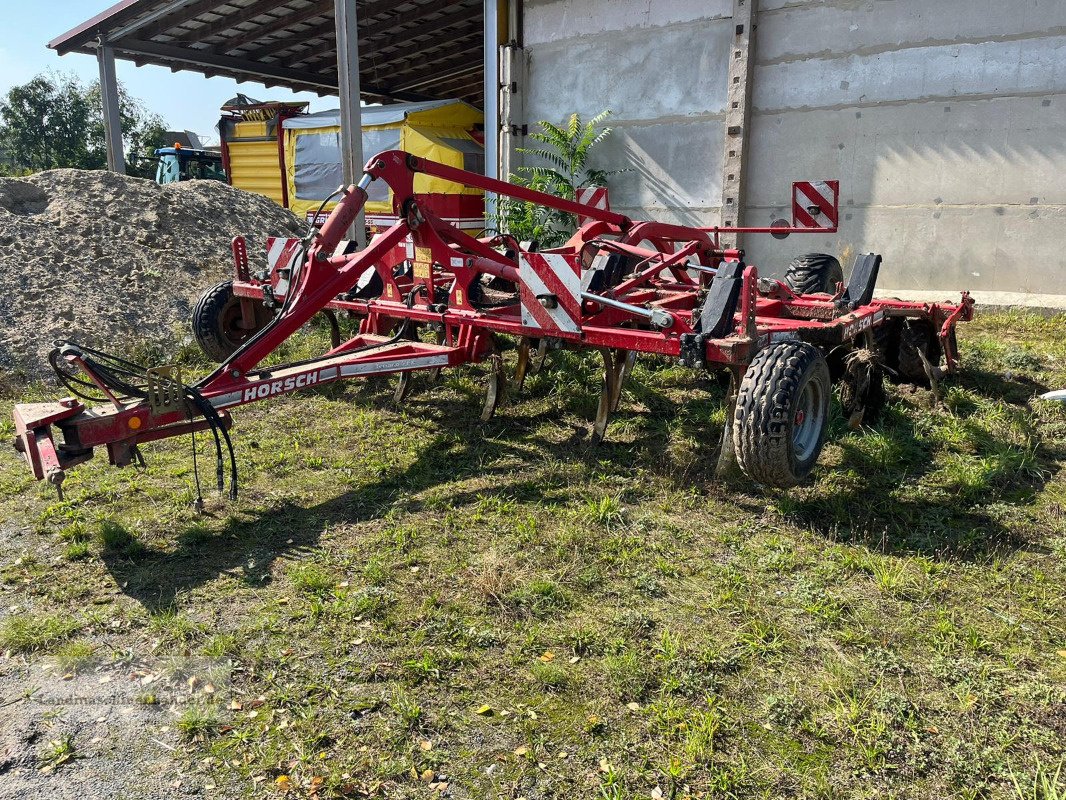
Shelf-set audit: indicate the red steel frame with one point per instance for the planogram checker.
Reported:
(437, 291)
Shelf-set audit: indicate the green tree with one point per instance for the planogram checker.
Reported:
(43, 124)
(142, 131)
(565, 155)
(56, 121)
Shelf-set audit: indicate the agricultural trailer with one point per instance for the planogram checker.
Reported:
(294, 158)
(429, 296)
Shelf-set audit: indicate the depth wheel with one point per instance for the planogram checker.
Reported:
(782, 413)
(217, 322)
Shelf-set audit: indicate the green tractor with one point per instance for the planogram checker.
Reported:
(174, 164)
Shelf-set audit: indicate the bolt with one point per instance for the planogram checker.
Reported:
(236, 373)
(56, 478)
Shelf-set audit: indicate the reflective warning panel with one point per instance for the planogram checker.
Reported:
(595, 196)
(815, 204)
(551, 292)
(281, 256)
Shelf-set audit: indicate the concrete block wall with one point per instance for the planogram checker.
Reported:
(944, 121)
(658, 66)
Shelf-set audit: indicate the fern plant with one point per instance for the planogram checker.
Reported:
(565, 153)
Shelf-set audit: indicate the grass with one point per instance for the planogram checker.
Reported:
(29, 633)
(57, 753)
(74, 656)
(1043, 784)
(558, 619)
(196, 722)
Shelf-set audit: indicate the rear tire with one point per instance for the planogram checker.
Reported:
(216, 322)
(782, 413)
(814, 273)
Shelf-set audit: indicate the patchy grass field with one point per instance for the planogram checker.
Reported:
(410, 603)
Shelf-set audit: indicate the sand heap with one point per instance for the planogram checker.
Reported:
(107, 260)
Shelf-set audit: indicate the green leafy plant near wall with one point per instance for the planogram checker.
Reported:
(565, 153)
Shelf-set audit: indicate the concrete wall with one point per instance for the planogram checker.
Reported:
(658, 66)
(944, 121)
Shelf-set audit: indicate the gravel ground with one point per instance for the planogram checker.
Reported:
(106, 260)
(119, 711)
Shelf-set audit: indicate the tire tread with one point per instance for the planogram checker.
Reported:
(814, 273)
(762, 434)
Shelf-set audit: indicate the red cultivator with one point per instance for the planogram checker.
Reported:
(621, 286)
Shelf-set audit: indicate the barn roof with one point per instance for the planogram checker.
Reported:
(408, 49)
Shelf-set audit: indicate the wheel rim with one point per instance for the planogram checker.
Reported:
(807, 422)
(230, 324)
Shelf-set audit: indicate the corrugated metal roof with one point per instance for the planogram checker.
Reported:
(409, 50)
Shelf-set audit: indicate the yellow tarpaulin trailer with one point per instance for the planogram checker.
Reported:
(441, 130)
(276, 150)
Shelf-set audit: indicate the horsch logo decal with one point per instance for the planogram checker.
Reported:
(268, 388)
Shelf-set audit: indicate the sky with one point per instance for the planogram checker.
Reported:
(185, 100)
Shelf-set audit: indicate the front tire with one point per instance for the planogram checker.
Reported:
(782, 413)
(216, 322)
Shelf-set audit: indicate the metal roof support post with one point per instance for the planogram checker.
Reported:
(492, 103)
(510, 85)
(351, 111)
(116, 160)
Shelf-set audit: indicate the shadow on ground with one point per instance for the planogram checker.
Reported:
(876, 510)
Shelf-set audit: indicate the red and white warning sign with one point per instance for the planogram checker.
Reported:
(281, 255)
(815, 204)
(550, 292)
(595, 196)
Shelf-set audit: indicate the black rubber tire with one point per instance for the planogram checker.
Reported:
(214, 321)
(814, 273)
(771, 394)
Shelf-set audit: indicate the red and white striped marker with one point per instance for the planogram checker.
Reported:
(815, 204)
(281, 253)
(550, 292)
(595, 196)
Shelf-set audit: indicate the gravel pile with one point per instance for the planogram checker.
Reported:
(112, 261)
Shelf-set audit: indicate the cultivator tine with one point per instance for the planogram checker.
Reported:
(495, 384)
(727, 467)
(522, 367)
(609, 393)
(861, 372)
(405, 381)
(433, 375)
(530, 359)
(624, 360)
(403, 387)
(933, 373)
(334, 327)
